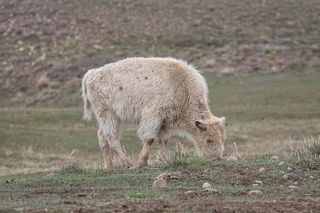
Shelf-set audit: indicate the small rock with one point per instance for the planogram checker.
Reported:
(206, 185)
(262, 169)
(281, 163)
(232, 158)
(51, 174)
(189, 192)
(290, 168)
(258, 182)
(255, 192)
(295, 183)
(285, 177)
(293, 187)
(102, 204)
(164, 176)
(255, 185)
(311, 177)
(168, 176)
(275, 158)
(160, 183)
(175, 177)
(211, 190)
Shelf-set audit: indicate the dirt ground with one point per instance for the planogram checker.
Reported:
(96, 198)
(195, 205)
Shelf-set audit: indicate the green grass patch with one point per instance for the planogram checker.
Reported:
(233, 180)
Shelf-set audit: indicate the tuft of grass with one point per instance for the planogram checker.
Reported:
(307, 154)
(180, 156)
(71, 166)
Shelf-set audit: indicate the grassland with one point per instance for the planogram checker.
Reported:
(267, 114)
(130, 190)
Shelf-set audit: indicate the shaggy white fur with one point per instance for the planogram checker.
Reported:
(164, 96)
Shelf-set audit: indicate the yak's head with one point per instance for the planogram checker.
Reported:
(211, 134)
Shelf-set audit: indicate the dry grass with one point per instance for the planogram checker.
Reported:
(180, 154)
(307, 152)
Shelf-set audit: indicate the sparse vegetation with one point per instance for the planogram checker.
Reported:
(131, 190)
(180, 156)
(307, 153)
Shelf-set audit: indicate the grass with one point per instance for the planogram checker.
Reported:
(88, 188)
(266, 113)
(307, 153)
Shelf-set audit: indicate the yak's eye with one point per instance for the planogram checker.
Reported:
(209, 141)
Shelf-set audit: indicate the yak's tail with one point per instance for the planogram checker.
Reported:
(87, 109)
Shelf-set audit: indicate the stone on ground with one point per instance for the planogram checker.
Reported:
(160, 183)
(255, 192)
(232, 158)
(293, 187)
(206, 185)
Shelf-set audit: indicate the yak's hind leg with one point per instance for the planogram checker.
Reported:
(105, 149)
(148, 131)
(144, 154)
(110, 126)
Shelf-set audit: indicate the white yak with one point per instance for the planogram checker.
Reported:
(163, 96)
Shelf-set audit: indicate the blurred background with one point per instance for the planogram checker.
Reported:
(261, 59)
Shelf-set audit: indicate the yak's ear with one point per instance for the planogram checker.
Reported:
(224, 121)
(200, 126)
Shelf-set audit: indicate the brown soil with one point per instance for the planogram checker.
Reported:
(198, 205)
(192, 205)
(64, 38)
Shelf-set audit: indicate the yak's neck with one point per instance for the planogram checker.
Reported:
(197, 110)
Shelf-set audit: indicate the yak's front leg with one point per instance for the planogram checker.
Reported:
(148, 130)
(144, 154)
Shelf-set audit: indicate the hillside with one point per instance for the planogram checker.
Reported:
(60, 40)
